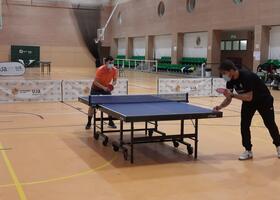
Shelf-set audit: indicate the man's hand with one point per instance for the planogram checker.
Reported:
(106, 89)
(217, 108)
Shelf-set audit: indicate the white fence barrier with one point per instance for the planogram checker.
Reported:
(50, 90)
(30, 90)
(72, 89)
(193, 86)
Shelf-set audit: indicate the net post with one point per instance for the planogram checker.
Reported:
(187, 97)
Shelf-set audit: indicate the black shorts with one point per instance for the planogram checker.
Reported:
(94, 91)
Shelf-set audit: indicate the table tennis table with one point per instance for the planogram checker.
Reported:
(150, 110)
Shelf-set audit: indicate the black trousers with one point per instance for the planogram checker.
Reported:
(266, 110)
(94, 91)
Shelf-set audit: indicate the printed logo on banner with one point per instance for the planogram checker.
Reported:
(86, 90)
(27, 90)
(195, 87)
(178, 88)
(72, 89)
(11, 69)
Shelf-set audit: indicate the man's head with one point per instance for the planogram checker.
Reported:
(109, 62)
(228, 70)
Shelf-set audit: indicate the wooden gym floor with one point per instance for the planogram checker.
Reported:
(50, 156)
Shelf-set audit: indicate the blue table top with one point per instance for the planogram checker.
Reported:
(140, 107)
(155, 108)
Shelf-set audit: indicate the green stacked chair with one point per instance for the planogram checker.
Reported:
(119, 62)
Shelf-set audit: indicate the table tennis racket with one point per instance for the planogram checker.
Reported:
(221, 90)
(110, 87)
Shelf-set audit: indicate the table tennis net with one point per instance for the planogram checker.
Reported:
(125, 99)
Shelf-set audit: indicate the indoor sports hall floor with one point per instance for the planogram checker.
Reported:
(50, 156)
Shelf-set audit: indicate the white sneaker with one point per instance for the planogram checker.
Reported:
(246, 155)
(278, 151)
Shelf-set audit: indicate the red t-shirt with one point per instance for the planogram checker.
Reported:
(105, 76)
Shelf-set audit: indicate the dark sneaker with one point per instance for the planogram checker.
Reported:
(88, 126)
(112, 125)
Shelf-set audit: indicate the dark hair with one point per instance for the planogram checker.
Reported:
(109, 59)
(227, 65)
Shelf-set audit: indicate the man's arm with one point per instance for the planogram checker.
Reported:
(115, 78)
(248, 96)
(96, 83)
(224, 104)
(114, 82)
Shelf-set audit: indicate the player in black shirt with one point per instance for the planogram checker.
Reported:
(255, 96)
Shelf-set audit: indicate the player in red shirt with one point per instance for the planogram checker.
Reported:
(105, 77)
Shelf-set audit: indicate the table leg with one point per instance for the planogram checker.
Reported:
(94, 123)
(196, 138)
(182, 130)
(146, 128)
(101, 123)
(132, 143)
(121, 133)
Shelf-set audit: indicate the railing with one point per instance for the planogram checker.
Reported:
(142, 65)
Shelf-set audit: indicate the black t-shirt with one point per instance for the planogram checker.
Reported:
(247, 82)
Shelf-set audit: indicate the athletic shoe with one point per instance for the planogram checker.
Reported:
(88, 126)
(112, 125)
(246, 155)
(278, 151)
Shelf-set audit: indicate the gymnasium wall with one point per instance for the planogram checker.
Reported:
(274, 43)
(246, 56)
(162, 46)
(121, 44)
(54, 29)
(139, 46)
(141, 19)
(193, 47)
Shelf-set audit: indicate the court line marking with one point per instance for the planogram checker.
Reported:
(38, 127)
(25, 113)
(62, 178)
(75, 108)
(45, 114)
(13, 175)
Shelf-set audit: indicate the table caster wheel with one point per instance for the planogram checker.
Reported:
(125, 154)
(115, 147)
(96, 136)
(176, 144)
(105, 142)
(190, 150)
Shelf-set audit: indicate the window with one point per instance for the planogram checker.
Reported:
(228, 46)
(161, 9)
(234, 45)
(243, 45)
(237, 1)
(191, 5)
(223, 45)
(120, 18)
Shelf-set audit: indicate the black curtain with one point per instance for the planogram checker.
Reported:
(89, 21)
